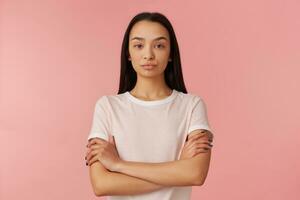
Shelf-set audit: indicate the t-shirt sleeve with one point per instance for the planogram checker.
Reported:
(199, 118)
(100, 123)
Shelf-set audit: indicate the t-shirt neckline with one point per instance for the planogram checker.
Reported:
(151, 102)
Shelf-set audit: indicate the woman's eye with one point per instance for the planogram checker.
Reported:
(162, 46)
(138, 45)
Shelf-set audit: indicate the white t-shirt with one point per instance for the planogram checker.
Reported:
(150, 131)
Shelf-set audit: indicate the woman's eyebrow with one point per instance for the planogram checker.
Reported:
(158, 38)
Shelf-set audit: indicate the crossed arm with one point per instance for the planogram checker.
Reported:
(106, 183)
(137, 177)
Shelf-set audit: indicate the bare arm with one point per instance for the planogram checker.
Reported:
(105, 182)
(187, 172)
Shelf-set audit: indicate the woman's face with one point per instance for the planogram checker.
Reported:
(149, 43)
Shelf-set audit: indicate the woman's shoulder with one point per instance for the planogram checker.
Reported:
(110, 98)
(190, 96)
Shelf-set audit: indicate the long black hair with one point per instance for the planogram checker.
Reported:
(173, 72)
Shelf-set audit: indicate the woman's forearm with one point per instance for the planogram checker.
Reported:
(174, 173)
(114, 183)
(122, 184)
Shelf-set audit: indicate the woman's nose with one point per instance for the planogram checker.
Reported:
(148, 54)
(147, 57)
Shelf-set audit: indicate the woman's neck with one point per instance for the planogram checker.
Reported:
(151, 89)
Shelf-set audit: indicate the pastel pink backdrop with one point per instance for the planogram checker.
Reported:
(58, 58)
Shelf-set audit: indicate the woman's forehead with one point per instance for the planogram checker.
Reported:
(148, 31)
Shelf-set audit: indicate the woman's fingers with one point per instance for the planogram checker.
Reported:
(93, 141)
(96, 141)
(92, 160)
(200, 144)
(195, 151)
(201, 150)
(203, 132)
(195, 140)
(93, 147)
(210, 136)
(196, 137)
(92, 154)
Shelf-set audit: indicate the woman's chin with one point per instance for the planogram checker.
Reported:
(149, 73)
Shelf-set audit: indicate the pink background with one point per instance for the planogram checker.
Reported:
(57, 59)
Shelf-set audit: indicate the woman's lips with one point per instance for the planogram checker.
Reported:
(148, 66)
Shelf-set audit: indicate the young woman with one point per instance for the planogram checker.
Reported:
(152, 139)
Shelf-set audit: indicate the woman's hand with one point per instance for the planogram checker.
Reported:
(103, 151)
(197, 143)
